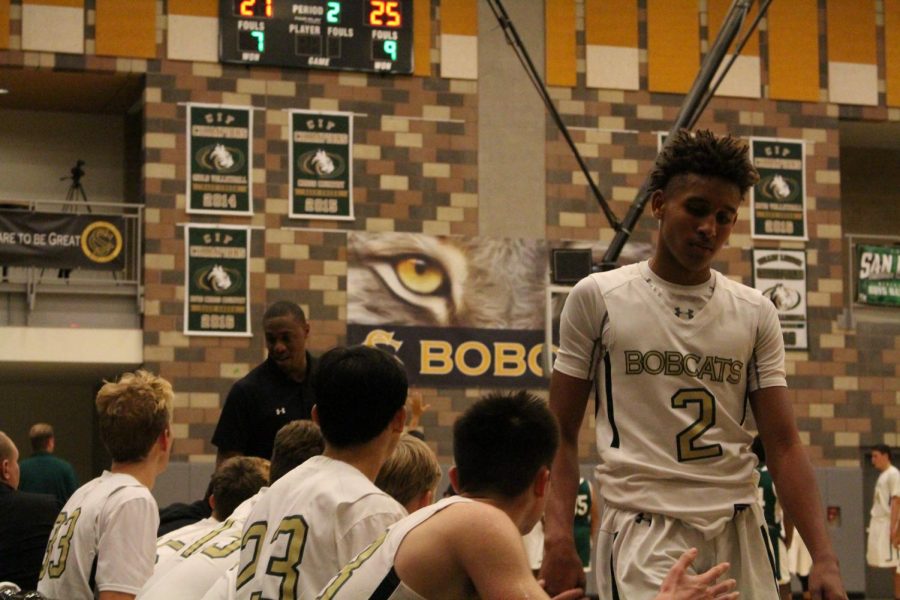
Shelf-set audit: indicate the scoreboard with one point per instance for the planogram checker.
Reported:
(355, 35)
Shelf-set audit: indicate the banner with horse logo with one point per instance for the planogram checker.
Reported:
(781, 276)
(217, 298)
(778, 200)
(321, 165)
(219, 159)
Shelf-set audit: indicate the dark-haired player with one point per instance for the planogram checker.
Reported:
(470, 545)
(678, 354)
(318, 516)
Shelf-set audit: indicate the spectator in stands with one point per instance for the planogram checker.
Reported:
(44, 473)
(26, 520)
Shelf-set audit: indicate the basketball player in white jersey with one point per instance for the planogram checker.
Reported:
(410, 474)
(884, 522)
(197, 567)
(234, 481)
(104, 542)
(678, 354)
(317, 517)
(470, 545)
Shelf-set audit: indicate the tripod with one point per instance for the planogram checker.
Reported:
(75, 193)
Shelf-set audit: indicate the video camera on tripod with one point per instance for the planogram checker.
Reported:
(76, 173)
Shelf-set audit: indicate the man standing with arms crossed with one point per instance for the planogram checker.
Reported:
(673, 349)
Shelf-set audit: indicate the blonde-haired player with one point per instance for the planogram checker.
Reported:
(103, 544)
(410, 474)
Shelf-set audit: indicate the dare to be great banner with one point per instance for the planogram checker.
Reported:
(216, 268)
(62, 240)
(219, 159)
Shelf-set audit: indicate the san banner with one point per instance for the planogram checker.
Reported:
(62, 240)
(878, 275)
(321, 165)
(781, 276)
(220, 159)
(217, 299)
(458, 311)
(778, 200)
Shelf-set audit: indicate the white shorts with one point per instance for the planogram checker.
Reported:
(636, 550)
(879, 551)
(799, 559)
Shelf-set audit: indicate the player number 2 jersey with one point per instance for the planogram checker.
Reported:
(673, 396)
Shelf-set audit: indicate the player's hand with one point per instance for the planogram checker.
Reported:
(825, 581)
(576, 594)
(561, 569)
(417, 406)
(679, 585)
(895, 539)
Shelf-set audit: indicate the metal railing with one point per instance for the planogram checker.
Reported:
(127, 281)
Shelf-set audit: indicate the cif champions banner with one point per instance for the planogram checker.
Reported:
(456, 311)
(220, 159)
(878, 275)
(217, 298)
(781, 276)
(321, 165)
(778, 200)
(62, 240)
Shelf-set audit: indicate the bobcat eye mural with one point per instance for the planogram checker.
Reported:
(415, 279)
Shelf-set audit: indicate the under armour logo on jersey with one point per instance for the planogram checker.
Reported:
(689, 313)
(281, 411)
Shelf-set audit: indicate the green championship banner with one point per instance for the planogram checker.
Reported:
(781, 276)
(217, 299)
(778, 200)
(321, 165)
(878, 275)
(62, 240)
(219, 160)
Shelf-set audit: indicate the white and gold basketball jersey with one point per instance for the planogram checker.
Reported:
(194, 569)
(373, 568)
(308, 525)
(673, 397)
(111, 520)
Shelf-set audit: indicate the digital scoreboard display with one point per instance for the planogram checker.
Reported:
(354, 35)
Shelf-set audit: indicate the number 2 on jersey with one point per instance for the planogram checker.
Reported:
(687, 439)
(294, 529)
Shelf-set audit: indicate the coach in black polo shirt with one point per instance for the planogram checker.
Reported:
(273, 394)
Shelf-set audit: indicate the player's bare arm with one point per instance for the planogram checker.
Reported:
(115, 596)
(561, 568)
(895, 521)
(797, 487)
